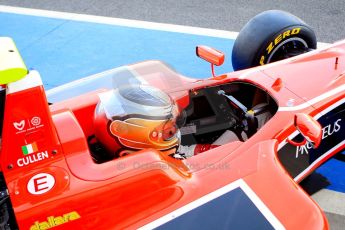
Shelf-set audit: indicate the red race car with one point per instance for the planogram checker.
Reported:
(142, 146)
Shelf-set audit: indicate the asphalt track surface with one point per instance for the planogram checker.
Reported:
(325, 17)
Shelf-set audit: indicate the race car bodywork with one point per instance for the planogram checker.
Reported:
(53, 180)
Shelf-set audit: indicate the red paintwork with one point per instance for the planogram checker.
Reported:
(136, 189)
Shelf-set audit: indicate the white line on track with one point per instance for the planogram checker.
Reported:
(120, 22)
(125, 22)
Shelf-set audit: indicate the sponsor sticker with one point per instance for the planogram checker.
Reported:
(19, 125)
(53, 221)
(300, 160)
(36, 121)
(327, 131)
(31, 155)
(41, 183)
(28, 124)
(30, 148)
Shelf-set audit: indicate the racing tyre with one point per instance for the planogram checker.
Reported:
(271, 36)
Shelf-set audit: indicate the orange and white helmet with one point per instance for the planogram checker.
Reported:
(136, 117)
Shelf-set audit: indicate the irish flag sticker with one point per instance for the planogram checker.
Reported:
(30, 148)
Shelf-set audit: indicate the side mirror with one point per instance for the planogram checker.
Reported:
(210, 55)
(309, 128)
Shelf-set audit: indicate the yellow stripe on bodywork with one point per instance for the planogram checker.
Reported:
(12, 66)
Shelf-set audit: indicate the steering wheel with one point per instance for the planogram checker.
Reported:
(247, 117)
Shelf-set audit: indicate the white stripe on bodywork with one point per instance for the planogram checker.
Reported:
(314, 100)
(213, 195)
(261, 206)
(325, 155)
(31, 80)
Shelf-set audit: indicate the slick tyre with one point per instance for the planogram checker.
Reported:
(271, 36)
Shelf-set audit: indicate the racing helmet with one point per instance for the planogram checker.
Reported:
(136, 117)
